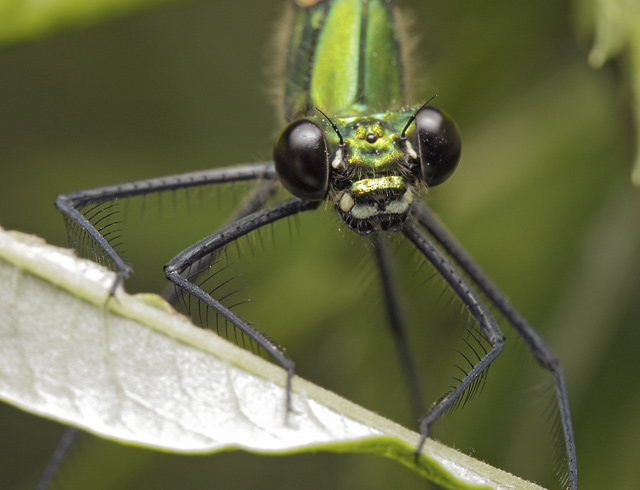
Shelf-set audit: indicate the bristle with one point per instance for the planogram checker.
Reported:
(277, 66)
(408, 42)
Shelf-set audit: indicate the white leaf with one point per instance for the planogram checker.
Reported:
(133, 370)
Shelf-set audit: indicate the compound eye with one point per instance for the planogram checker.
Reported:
(439, 145)
(301, 159)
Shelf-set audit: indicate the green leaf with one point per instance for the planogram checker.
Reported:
(133, 370)
(615, 27)
(23, 20)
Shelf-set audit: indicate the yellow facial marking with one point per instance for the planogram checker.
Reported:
(365, 186)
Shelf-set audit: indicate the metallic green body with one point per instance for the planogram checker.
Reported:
(344, 58)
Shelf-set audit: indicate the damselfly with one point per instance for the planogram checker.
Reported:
(353, 141)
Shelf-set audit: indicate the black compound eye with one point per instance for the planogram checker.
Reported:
(439, 145)
(301, 159)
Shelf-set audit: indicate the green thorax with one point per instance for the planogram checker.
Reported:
(373, 141)
(343, 58)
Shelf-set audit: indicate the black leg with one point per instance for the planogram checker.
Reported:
(536, 344)
(396, 324)
(477, 309)
(257, 198)
(211, 245)
(69, 204)
(65, 443)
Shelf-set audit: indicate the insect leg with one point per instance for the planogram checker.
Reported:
(486, 322)
(257, 198)
(69, 204)
(534, 341)
(213, 243)
(64, 445)
(396, 323)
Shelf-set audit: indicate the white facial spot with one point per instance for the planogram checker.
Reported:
(363, 211)
(412, 153)
(346, 202)
(408, 197)
(398, 206)
(337, 160)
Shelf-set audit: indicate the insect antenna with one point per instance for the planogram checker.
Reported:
(335, 128)
(413, 117)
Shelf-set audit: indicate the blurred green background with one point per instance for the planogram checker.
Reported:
(542, 200)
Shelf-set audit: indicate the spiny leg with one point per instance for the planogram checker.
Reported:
(476, 308)
(64, 445)
(211, 245)
(396, 323)
(253, 201)
(536, 344)
(69, 204)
